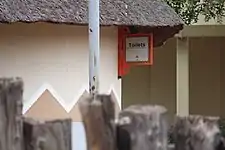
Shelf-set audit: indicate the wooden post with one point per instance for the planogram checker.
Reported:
(142, 128)
(197, 133)
(50, 135)
(11, 91)
(98, 117)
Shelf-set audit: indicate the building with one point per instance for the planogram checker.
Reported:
(188, 73)
(46, 43)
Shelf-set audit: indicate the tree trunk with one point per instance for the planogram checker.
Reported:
(11, 91)
(196, 133)
(98, 116)
(142, 128)
(50, 135)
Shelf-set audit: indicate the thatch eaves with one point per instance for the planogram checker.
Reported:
(155, 15)
(152, 13)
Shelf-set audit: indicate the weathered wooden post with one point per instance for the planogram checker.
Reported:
(11, 91)
(142, 128)
(197, 133)
(49, 135)
(98, 117)
(18, 133)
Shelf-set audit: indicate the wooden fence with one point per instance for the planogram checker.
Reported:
(138, 127)
(144, 127)
(18, 133)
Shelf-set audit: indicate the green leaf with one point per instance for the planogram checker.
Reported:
(189, 10)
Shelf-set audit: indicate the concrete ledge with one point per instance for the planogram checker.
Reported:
(202, 31)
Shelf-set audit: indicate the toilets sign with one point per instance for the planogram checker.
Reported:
(137, 49)
(134, 50)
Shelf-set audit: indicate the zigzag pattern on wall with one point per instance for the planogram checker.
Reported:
(67, 106)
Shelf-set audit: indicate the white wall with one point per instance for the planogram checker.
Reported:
(201, 21)
(57, 56)
(78, 136)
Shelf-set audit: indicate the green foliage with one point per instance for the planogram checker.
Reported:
(189, 10)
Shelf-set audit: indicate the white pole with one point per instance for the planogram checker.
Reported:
(94, 48)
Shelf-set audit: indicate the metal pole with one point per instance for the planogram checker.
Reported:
(94, 48)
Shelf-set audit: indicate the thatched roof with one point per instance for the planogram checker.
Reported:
(113, 12)
(150, 13)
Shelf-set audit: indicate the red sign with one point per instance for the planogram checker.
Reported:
(133, 50)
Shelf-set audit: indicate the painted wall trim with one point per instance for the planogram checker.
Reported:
(67, 106)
